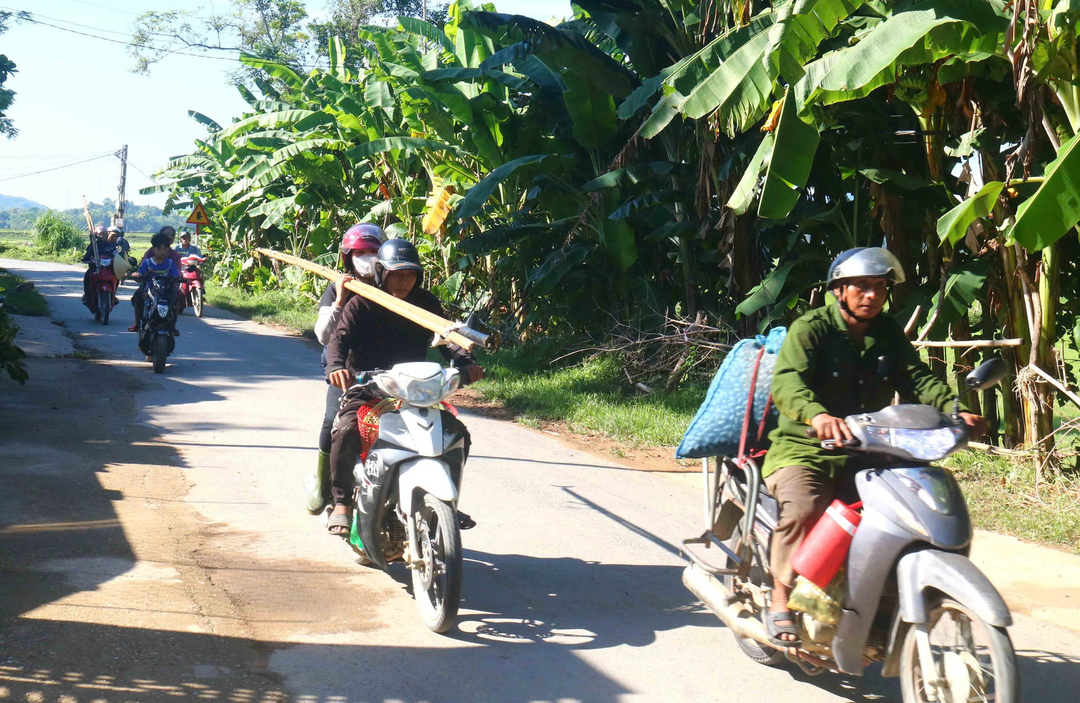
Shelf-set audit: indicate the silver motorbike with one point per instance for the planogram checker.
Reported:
(407, 487)
(912, 599)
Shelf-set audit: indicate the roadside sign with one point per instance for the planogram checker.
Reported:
(198, 216)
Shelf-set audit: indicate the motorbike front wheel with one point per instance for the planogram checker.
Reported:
(437, 580)
(197, 301)
(975, 661)
(104, 305)
(161, 352)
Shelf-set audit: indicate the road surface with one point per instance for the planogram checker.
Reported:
(154, 547)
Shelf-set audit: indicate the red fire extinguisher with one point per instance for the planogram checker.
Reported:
(823, 551)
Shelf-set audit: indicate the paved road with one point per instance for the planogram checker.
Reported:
(157, 549)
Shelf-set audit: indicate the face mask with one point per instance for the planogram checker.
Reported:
(364, 265)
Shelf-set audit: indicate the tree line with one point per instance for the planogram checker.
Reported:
(658, 157)
(137, 218)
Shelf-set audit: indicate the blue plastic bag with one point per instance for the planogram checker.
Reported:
(717, 427)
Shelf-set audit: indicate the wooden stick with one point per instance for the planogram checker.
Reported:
(452, 332)
(1054, 382)
(911, 323)
(971, 343)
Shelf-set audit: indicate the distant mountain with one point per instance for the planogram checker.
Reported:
(7, 202)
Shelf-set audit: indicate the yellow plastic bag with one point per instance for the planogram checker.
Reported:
(822, 605)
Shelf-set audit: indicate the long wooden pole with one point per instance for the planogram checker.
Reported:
(453, 332)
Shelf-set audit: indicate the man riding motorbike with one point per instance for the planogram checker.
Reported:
(377, 338)
(157, 263)
(185, 248)
(105, 248)
(838, 360)
(359, 251)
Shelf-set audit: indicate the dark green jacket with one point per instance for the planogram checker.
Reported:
(821, 369)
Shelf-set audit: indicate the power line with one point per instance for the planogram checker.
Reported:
(84, 26)
(105, 7)
(127, 43)
(57, 168)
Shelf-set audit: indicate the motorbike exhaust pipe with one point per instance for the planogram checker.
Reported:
(737, 616)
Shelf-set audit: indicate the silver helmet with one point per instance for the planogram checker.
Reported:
(866, 262)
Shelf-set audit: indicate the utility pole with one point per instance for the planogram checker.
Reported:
(118, 218)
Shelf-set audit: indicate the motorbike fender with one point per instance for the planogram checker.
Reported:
(373, 480)
(426, 475)
(953, 575)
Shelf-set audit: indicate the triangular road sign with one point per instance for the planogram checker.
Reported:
(198, 216)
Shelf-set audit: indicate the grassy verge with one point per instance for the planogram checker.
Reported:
(294, 313)
(1003, 496)
(13, 249)
(29, 303)
(588, 397)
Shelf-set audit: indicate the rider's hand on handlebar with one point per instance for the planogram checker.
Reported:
(342, 378)
(827, 427)
(472, 373)
(977, 423)
(342, 293)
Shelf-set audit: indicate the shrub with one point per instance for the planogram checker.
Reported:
(56, 234)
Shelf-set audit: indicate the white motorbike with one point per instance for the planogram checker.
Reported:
(407, 486)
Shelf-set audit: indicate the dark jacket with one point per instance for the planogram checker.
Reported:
(379, 338)
(822, 369)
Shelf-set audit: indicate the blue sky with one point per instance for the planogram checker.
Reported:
(77, 99)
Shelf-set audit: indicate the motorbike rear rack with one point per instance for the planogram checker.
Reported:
(708, 538)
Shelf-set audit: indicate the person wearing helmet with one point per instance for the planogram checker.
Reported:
(185, 248)
(842, 359)
(359, 251)
(105, 248)
(370, 337)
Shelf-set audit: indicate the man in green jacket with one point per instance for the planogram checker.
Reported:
(839, 360)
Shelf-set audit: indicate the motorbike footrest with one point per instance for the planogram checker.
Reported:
(704, 565)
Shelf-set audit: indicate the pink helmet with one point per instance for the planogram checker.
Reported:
(364, 237)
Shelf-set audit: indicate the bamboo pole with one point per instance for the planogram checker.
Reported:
(971, 343)
(452, 332)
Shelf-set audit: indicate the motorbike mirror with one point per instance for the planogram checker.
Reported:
(25, 286)
(986, 375)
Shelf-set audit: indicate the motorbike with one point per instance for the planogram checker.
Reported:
(912, 599)
(192, 287)
(407, 486)
(156, 339)
(103, 284)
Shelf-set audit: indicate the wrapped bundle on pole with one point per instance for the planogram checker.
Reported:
(453, 332)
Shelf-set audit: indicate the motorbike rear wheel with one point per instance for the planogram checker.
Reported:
(197, 301)
(437, 582)
(104, 304)
(161, 352)
(975, 660)
(752, 648)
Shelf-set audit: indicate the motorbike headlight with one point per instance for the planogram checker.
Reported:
(163, 310)
(426, 391)
(927, 445)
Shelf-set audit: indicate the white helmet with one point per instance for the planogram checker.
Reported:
(866, 262)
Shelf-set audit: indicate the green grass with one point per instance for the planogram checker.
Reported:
(17, 249)
(294, 313)
(1002, 497)
(589, 397)
(29, 303)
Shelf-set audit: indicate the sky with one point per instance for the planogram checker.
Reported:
(76, 98)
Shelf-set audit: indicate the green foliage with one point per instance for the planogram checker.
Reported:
(11, 356)
(1054, 209)
(57, 234)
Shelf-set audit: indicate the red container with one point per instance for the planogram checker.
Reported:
(823, 551)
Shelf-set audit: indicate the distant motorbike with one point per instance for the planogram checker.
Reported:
(156, 339)
(407, 486)
(103, 284)
(192, 287)
(912, 599)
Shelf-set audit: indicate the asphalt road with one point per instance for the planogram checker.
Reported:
(154, 547)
